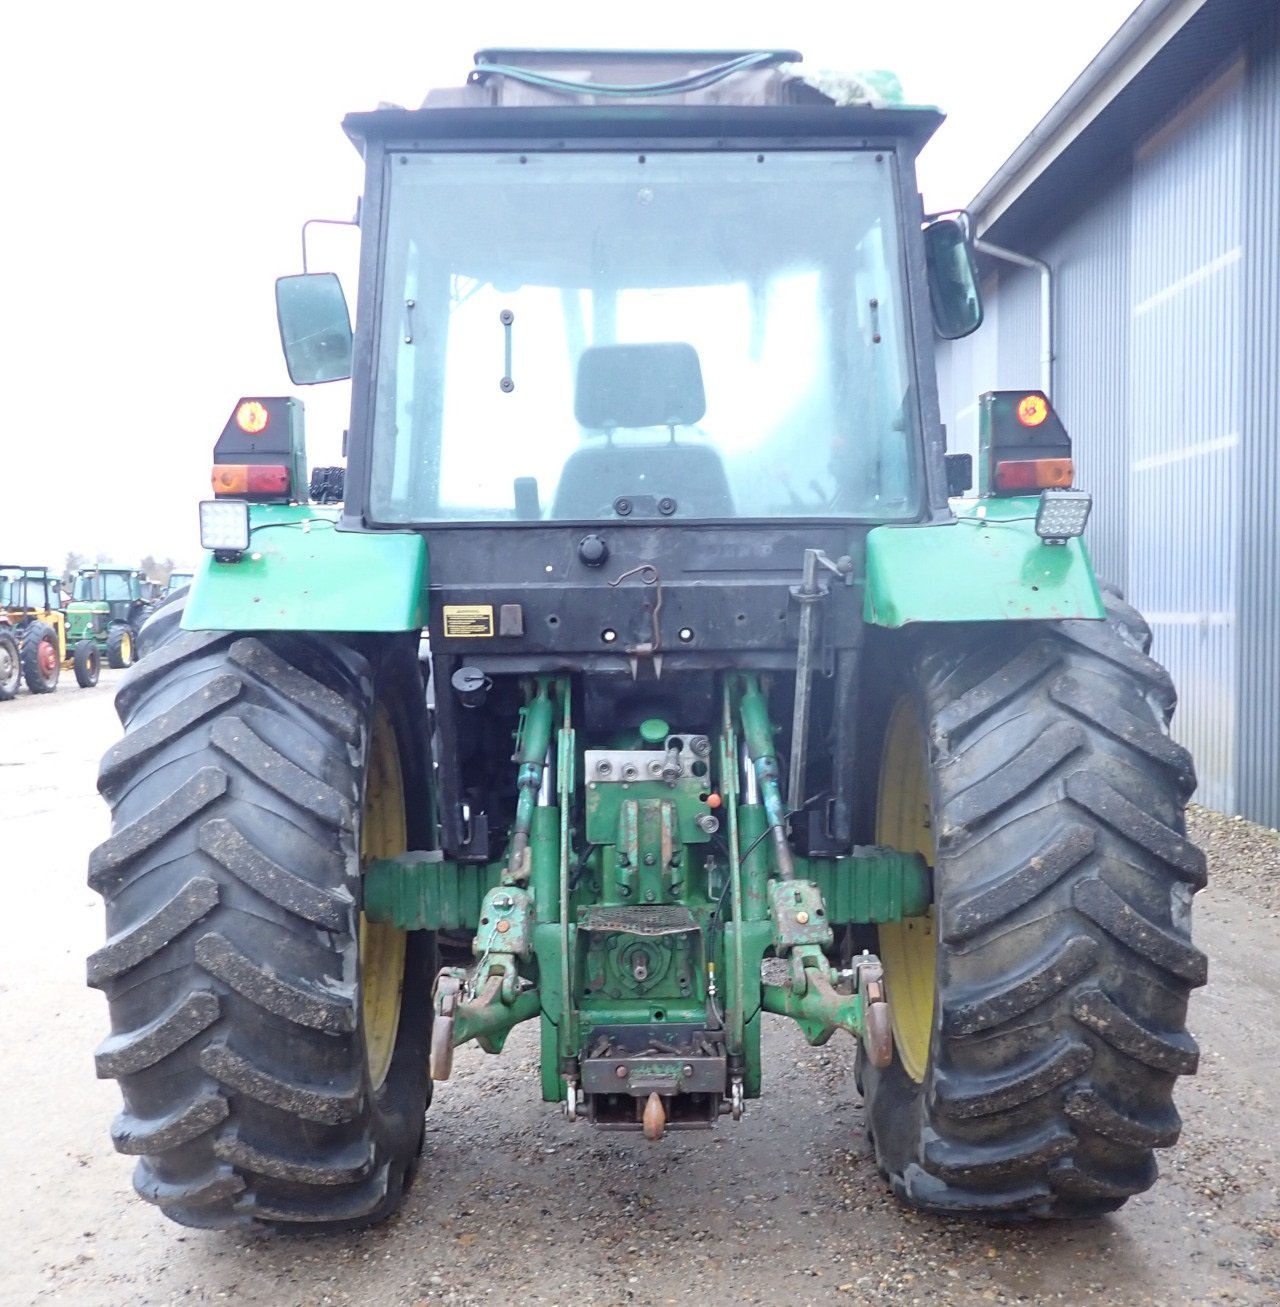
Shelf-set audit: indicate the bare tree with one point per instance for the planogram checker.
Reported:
(71, 565)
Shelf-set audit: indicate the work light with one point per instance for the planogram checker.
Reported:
(224, 526)
(1062, 514)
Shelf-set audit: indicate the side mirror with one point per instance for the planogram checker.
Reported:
(315, 327)
(953, 277)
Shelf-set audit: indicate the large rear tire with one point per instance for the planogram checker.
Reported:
(10, 666)
(271, 1046)
(41, 659)
(162, 622)
(1039, 1010)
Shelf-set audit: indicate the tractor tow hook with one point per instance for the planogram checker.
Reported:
(655, 1118)
(445, 999)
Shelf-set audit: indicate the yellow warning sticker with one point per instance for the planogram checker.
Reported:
(468, 621)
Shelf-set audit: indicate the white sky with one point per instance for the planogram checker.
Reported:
(160, 158)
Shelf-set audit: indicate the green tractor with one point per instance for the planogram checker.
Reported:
(739, 703)
(177, 581)
(108, 606)
(36, 642)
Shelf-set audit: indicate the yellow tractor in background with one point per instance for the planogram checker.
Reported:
(33, 634)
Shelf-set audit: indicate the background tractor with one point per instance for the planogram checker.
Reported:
(742, 702)
(34, 621)
(177, 581)
(108, 606)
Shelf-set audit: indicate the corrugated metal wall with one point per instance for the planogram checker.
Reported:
(1018, 341)
(1091, 325)
(1258, 732)
(1167, 373)
(1184, 416)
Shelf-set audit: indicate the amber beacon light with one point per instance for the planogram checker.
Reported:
(252, 416)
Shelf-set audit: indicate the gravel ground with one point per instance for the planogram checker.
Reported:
(1243, 858)
(514, 1205)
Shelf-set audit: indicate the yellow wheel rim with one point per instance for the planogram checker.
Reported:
(126, 649)
(383, 834)
(907, 947)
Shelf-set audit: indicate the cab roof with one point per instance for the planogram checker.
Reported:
(691, 98)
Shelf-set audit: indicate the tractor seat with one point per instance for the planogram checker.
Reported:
(631, 388)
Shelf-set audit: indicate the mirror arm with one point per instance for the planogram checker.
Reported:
(324, 222)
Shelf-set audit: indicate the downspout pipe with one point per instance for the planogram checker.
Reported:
(1046, 303)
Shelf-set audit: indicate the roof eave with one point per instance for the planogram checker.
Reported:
(1151, 26)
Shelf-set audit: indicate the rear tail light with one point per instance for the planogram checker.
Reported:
(1030, 474)
(241, 479)
(1023, 447)
(259, 456)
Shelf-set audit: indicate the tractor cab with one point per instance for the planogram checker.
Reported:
(713, 309)
(28, 593)
(118, 588)
(177, 581)
(645, 331)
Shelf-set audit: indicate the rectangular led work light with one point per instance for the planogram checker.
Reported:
(1062, 514)
(224, 525)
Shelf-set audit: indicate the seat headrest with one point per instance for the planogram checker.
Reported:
(652, 385)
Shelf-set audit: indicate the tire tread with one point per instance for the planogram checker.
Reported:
(1063, 885)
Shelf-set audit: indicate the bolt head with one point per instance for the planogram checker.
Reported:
(620, 1072)
(802, 918)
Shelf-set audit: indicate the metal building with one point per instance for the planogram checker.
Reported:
(1144, 213)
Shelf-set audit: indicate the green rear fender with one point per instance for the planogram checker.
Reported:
(986, 566)
(301, 574)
